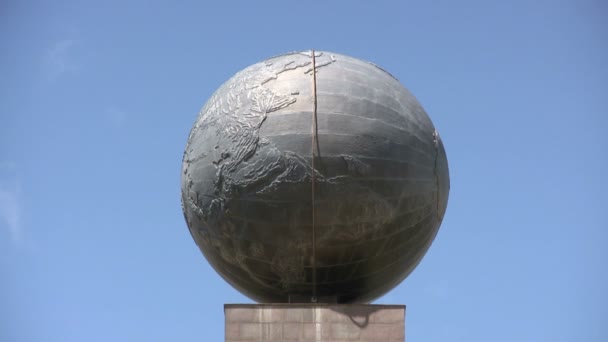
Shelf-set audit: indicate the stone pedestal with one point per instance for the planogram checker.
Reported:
(314, 322)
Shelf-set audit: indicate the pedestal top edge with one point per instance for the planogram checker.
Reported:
(311, 305)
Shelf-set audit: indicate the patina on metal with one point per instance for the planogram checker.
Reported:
(346, 230)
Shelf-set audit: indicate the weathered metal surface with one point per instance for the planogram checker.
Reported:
(381, 180)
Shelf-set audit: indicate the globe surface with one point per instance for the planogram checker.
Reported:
(347, 230)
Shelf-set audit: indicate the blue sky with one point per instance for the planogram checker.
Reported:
(97, 100)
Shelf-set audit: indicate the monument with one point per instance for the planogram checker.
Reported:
(314, 183)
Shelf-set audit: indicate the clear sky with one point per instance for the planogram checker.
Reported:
(97, 99)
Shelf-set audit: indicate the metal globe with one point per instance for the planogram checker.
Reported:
(313, 176)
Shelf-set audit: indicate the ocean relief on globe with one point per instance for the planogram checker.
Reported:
(347, 230)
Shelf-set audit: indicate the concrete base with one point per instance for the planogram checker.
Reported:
(314, 322)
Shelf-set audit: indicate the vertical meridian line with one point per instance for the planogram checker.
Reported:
(313, 179)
